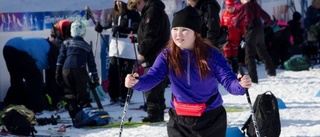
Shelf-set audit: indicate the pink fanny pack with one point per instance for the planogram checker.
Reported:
(188, 109)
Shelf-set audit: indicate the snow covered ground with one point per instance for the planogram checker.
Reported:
(298, 91)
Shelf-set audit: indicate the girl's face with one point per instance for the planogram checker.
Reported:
(183, 37)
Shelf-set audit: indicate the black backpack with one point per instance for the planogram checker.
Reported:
(19, 122)
(267, 116)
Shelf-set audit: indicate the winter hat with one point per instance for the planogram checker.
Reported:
(296, 16)
(61, 29)
(230, 3)
(78, 29)
(282, 24)
(189, 18)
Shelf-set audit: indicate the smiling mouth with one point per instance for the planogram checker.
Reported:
(180, 40)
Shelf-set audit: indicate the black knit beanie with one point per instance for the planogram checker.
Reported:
(189, 18)
(296, 16)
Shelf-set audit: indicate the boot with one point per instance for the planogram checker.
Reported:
(155, 113)
(72, 108)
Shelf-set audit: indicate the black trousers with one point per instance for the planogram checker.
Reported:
(76, 85)
(116, 86)
(155, 99)
(212, 123)
(25, 79)
(255, 44)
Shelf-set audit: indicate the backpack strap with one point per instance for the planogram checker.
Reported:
(246, 124)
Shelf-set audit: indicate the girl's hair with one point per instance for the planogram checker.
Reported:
(116, 11)
(174, 57)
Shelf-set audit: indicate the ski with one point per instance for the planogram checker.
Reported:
(12, 135)
(51, 136)
(129, 124)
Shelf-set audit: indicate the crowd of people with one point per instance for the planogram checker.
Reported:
(184, 53)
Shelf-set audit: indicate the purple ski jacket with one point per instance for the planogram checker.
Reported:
(189, 88)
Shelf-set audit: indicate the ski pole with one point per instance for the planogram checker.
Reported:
(135, 53)
(253, 117)
(125, 108)
(118, 65)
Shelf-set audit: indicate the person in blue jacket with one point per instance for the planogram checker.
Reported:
(194, 69)
(26, 58)
(74, 58)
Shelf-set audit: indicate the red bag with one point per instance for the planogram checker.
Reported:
(188, 109)
(105, 85)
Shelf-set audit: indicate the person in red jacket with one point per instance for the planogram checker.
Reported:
(235, 35)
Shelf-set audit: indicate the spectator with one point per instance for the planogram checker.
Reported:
(153, 36)
(250, 12)
(209, 11)
(281, 45)
(122, 54)
(312, 26)
(235, 35)
(194, 69)
(296, 32)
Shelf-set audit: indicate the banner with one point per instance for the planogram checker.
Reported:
(37, 21)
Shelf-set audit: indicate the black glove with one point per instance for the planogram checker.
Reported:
(116, 29)
(98, 27)
(58, 76)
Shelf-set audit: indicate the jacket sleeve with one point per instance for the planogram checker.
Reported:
(150, 36)
(91, 63)
(213, 22)
(154, 76)
(225, 76)
(239, 18)
(62, 55)
(265, 16)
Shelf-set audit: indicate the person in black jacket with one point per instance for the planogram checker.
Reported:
(153, 36)
(75, 55)
(296, 32)
(122, 54)
(209, 11)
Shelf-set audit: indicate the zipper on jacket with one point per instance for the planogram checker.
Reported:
(188, 69)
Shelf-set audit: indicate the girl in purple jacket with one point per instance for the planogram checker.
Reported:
(194, 69)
